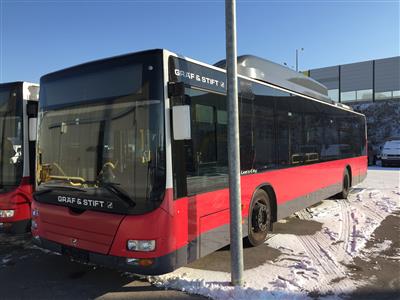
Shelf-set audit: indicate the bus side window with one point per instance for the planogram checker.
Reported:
(313, 132)
(264, 143)
(206, 159)
(345, 129)
(264, 127)
(246, 131)
(361, 138)
(284, 131)
(296, 140)
(331, 144)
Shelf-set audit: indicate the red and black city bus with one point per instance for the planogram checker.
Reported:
(18, 105)
(132, 157)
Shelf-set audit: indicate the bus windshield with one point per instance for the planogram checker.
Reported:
(101, 131)
(11, 158)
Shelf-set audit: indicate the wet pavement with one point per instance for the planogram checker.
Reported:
(255, 256)
(381, 269)
(27, 272)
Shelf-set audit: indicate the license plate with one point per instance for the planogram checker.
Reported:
(76, 254)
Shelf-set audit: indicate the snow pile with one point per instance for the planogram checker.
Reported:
(317, 263)
(222, 290)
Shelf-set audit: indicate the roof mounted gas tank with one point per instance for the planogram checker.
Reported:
(267, 71)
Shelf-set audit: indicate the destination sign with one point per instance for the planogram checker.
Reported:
(181, 70)
(85, 203)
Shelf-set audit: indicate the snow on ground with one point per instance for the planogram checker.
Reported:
(308, 263)
(377, 250)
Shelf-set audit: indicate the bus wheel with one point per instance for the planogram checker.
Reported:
(259, 218)
(345, 186)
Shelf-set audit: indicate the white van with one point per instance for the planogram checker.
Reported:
(390, 154)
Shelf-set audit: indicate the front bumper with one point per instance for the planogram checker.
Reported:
(21, 226)
(161, 265)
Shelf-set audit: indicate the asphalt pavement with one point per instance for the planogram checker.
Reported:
(27, 272)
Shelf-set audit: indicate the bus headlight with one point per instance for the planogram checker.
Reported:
(6, 213)
(141, 245)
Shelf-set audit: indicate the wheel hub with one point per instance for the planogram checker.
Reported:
(260, 217)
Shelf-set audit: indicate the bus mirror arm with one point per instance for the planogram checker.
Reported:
(32, 112)
(181, 122)
(176, 89)
(32, 109)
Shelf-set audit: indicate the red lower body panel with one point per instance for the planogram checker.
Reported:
(177, 225)
(89, 230)
(288, 185)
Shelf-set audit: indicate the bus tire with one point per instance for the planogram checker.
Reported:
(259, 219)
(345, 186)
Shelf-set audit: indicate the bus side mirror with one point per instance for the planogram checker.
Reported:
(32, 112)
(32, 129)
(181, 122)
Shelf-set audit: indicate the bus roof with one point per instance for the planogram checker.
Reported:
(249, 66)
(264, 70)
(30, 91)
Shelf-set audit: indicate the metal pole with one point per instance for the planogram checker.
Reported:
(233, 146)
(297, 58)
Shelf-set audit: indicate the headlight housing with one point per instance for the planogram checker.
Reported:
(141, 245)
(6, 213)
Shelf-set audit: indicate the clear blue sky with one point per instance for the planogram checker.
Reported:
(38, 37)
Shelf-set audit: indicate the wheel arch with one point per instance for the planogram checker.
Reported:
(268, 188)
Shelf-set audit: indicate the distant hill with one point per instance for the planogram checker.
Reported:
(383, 120)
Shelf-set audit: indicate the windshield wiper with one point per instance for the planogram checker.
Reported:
(51, 188)
(120, 193)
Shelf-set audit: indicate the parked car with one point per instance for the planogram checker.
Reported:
(390, 153)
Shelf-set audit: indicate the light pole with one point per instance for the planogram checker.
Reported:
(233, 146)
(297, 58)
